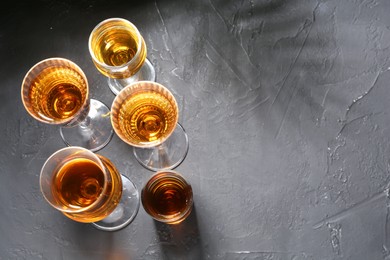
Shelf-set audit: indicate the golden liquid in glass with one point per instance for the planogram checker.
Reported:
(116, 43)
(116, 48)
(79, 186)
(57, 93)
(147, 117)
(78, 183)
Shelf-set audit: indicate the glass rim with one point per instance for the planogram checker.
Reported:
(169, 171)
(104, 65)
(26, 86)
(122, 96)
(101, 166)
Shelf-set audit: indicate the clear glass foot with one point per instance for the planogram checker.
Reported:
(94, 132)
(146, 72)
(125, 211)
(168, 155)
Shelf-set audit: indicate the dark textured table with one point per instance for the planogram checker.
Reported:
(286, 108)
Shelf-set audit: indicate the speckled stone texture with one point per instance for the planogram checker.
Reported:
(286, 106)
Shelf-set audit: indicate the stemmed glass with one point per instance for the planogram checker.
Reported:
(87, 188)
(145, 115)
(119, 52)
(55, 91)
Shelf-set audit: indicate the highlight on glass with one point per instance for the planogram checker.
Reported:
(88, 188)
(167, 197)
(118, 51)
(55, 91)
(145, 115)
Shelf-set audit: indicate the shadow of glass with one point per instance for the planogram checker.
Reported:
(180, 241)
(92, 243)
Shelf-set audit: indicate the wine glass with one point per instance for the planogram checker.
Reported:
(167, 197)
(86, 187)
(145, 115)
(55, 91)
(119, 52)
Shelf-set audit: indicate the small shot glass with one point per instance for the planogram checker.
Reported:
(167, 197)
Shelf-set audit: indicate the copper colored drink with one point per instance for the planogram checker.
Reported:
(167, 197)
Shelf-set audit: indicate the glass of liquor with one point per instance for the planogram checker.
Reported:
(118, 51)
(145, 115)
(167, 197)
(55, 91)
(86, 187)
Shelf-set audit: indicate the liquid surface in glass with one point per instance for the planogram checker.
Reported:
(57, 93)
(147, 117)
(167, 197)
(116, 47)
(78, 183)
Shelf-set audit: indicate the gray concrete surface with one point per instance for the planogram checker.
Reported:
(286, 107)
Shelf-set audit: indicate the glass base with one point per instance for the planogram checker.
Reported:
(125, 211)
(166, 156)
(94, 132)
(146, 72)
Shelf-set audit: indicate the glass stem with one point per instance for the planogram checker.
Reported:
(163, 156)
